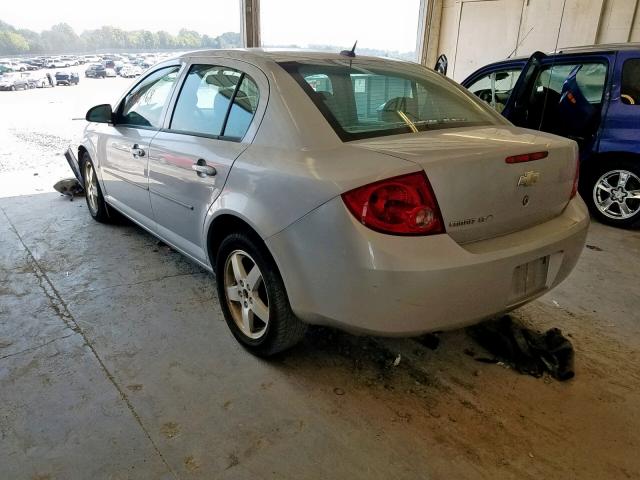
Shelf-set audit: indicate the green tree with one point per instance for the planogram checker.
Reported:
(13, 43)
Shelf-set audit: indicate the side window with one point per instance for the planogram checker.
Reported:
(244, 107)
(495, 88)
(204, 99)
(590, 79)
(142, 107)
(630, 87)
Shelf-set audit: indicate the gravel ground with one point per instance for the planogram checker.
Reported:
(36, 126)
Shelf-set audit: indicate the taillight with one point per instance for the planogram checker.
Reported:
(527, 157)
(576, 179)
(403, 205)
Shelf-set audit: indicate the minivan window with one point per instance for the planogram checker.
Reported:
(142, 107)
(590, 78)
(204, 99)
(495, 88)
(630, 87)
(361, 100)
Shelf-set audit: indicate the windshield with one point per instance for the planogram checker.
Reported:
(363, 100)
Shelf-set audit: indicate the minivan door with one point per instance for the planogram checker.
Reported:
(125, 144)
(213, 121)
(517, 105)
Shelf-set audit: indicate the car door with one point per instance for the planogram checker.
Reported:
(516, 107)
(213, 120)
(125, 144)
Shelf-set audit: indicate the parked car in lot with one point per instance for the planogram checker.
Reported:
(39, 79)
(95, 70)
(130, 71)
(110, 73)
(313, 207)
(67, 78)
(589, 94)
(13, 81)
(15, 66)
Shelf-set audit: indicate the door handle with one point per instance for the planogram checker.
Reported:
(136, 151)
(203, 169)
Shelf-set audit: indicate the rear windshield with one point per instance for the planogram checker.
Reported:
(363, 101)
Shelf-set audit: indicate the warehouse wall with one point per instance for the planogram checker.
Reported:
(473, 33)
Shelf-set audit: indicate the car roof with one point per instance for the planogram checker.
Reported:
(603, 48)
(278, 55)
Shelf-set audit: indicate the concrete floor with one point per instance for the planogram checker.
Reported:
(115, 362)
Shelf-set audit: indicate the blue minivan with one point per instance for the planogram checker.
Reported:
(588, 94)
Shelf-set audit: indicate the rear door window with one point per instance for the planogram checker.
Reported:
(204, 100)
(215, 101)
(630, 87)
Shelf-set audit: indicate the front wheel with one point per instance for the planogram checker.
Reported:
(253, 297)
(93, 193)
(614, 193)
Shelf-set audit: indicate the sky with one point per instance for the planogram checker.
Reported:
(336, 22)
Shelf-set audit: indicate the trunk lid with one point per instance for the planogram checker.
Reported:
(481, 195)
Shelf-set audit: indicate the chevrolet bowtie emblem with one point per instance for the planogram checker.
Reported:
(528, 179)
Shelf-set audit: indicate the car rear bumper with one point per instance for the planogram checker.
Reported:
(338, 272)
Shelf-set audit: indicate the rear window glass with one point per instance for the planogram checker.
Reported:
(630, 88)
(362, 101)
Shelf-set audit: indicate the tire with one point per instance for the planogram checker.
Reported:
(612, 192)
(98, 208)
(255, 305)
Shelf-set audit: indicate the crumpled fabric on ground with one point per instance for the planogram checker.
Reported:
(526, 350)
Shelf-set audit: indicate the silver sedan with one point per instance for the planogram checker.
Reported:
(367, 194)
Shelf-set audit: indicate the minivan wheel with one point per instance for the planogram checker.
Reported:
(253, 297)
(615, 194)
(93, 193)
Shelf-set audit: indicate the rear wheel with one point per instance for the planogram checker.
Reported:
(614, 193)
(253, 297)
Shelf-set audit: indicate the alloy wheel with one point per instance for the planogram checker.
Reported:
(246, 294)
(616, 194)
(91, 186)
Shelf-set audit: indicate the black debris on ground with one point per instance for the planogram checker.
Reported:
(69, 186)
(525, 350)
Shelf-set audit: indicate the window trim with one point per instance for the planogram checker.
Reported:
(118, 111)
(222, 136)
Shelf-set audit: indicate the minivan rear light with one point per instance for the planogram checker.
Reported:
(527, 157)
(403, 205)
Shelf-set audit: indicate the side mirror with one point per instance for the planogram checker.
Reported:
(441, 65)
(100, 114)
